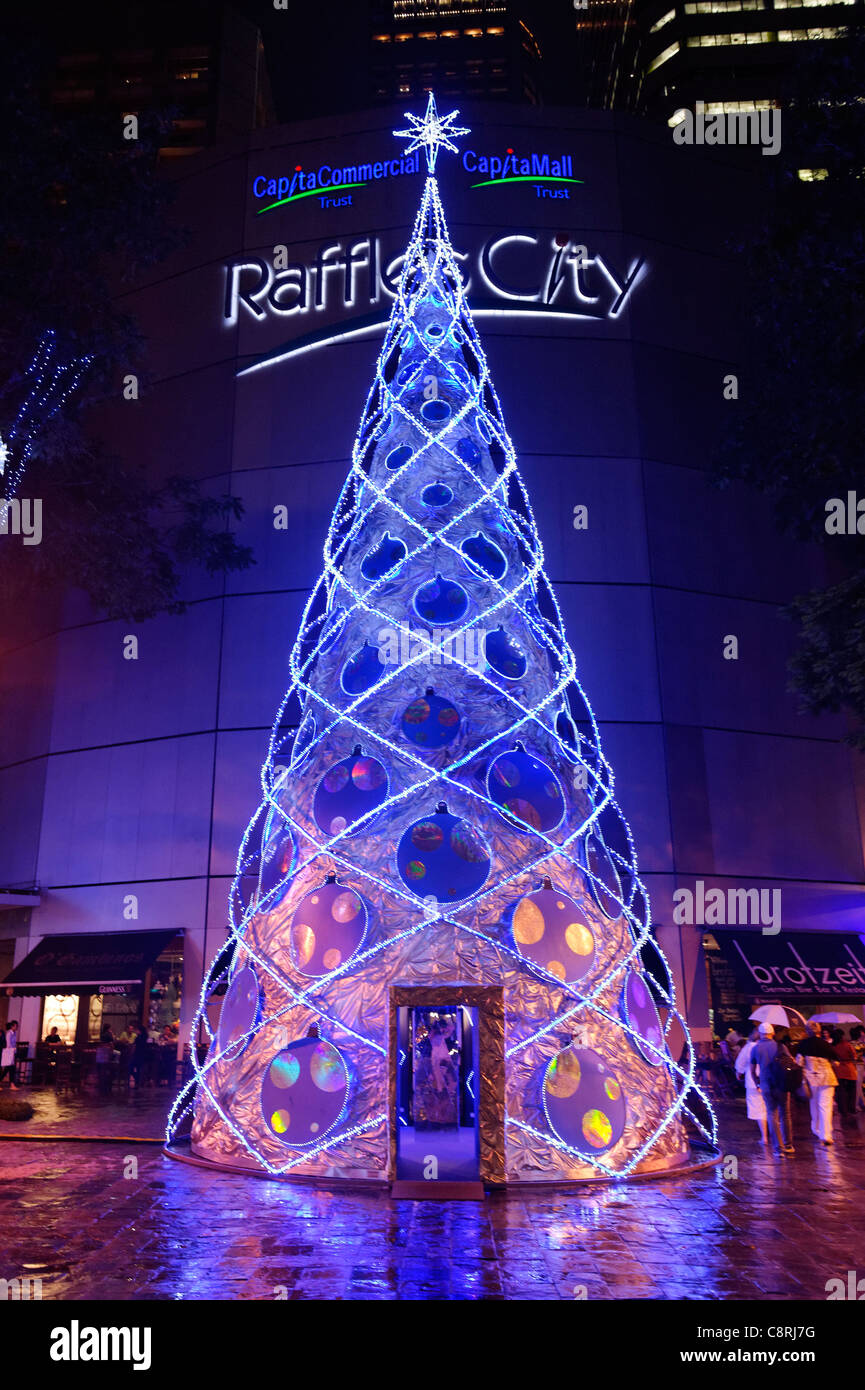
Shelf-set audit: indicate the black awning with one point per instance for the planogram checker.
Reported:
(68, 964)
(807, 966)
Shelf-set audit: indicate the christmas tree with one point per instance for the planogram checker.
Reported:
(440, 824)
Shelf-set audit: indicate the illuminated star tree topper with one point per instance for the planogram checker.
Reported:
(430, 132)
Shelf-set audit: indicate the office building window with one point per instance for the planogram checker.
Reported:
(724, 6)
(801, 35)
(723, 40)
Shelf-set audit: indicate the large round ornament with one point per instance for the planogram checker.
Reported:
(436, 494)
(603, 877)
(443, 857)
(430, 721)
(362, 670)
(383, 558)
(277, 858)
(348, 790)
(241, 1010)
(584, 1102)
(504, 655)
(441, 600)
(526, 790)
(550, 929)
(617, 839)
(303, 740)
(640, 1013)
(483, 557)
(304, 1092)
(327, 928)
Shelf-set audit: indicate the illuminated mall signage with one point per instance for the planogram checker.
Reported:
(508, 167)
(300, 183)
(518, 168)
(519, 272)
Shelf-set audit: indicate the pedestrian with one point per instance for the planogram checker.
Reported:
(816, 1056)
(102, 1060)
(139, 1056)
(857, 1038)
(8, 1051)
(756, 1106)
(776, 1098)
(845, 1070)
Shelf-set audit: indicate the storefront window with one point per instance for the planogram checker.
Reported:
(61, 1012)
(166, 984)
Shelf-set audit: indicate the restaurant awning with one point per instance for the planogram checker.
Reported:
(68, 964)
(809, 966)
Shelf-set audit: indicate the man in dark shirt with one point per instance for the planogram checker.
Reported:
(777, 1102)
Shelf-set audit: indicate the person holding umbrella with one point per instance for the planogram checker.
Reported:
(817, 1056)
(776, 1101)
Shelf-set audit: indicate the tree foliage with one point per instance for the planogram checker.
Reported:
(83, 212)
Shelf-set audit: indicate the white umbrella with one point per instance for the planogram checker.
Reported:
(834, 1018)
(771, 1013)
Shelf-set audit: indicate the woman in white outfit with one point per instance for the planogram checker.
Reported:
(817, 1056)
(755, 1103)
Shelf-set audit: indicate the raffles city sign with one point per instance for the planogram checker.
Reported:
(348, 284)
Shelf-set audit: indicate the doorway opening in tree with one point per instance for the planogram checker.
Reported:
(437, 1109)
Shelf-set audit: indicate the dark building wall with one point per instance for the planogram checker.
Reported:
(151, 767)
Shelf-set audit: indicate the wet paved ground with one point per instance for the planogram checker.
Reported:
(78, 1217)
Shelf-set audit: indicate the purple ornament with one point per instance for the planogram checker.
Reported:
(550, 929)
(430, 721)
(443, 857)
(584, 1102)
(327, 928)
(277, 858)
(347, 791)
(304, 1092)
(640, 1013)
(526, 790)
(241, 1010)
(603, 878)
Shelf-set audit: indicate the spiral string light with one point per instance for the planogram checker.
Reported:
(431, 393)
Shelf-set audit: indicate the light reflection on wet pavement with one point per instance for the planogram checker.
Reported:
(779, 1230)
